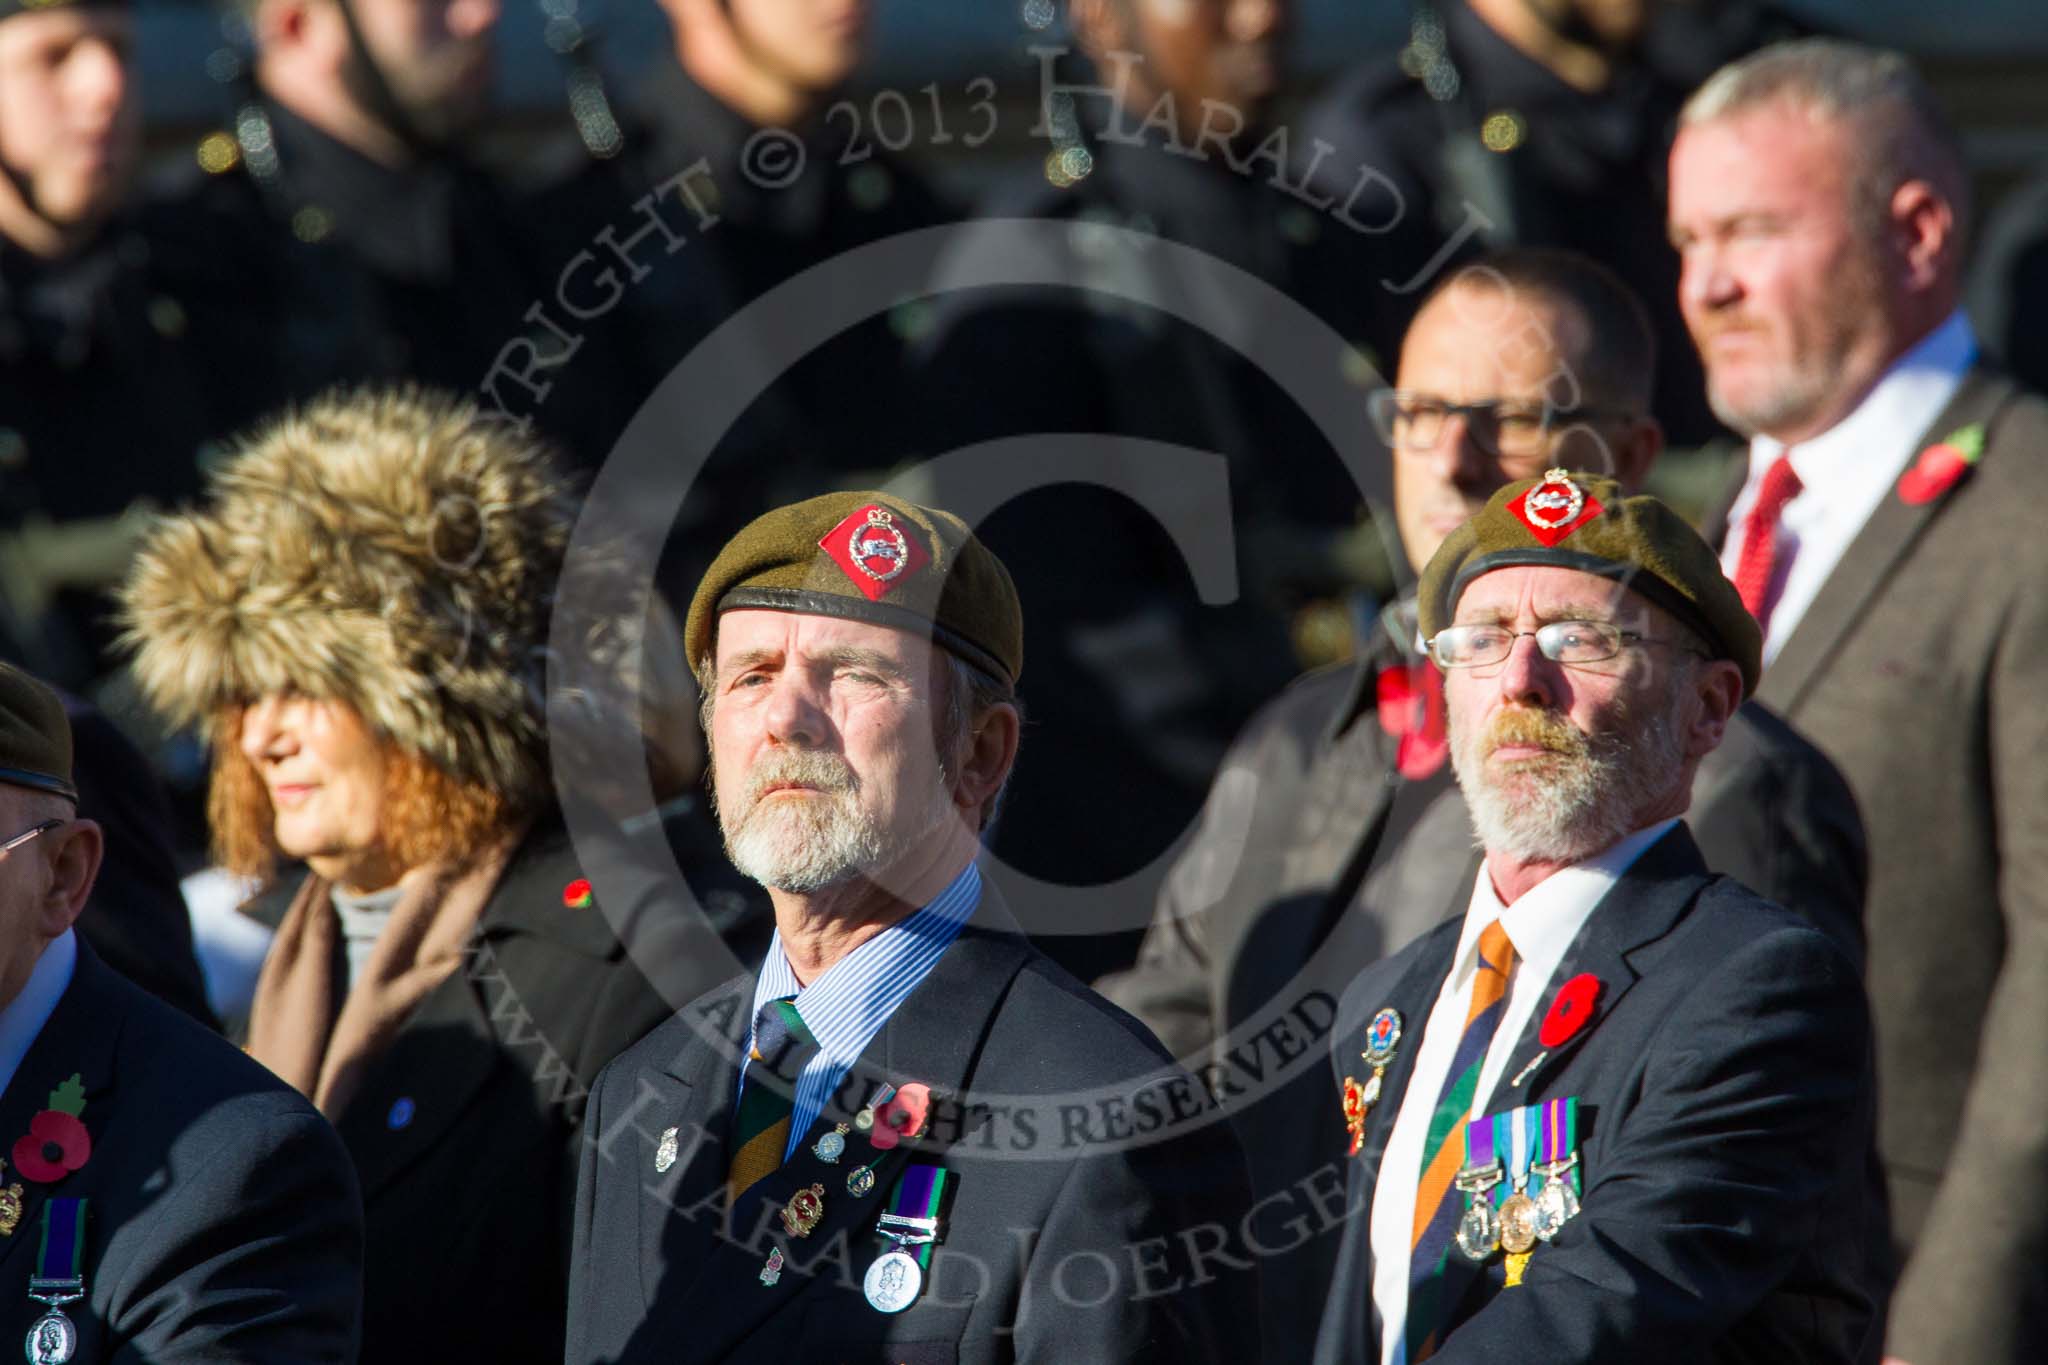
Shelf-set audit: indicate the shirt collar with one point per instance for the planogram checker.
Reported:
(1544, 920)
(25, 1015)
(1906, 401)
(847, 1006)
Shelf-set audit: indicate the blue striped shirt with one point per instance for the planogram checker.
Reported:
(847, 1006)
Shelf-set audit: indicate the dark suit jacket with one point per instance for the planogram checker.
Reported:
(1315, 859)
(1919, 669)
(1725, 1097)
(1062, 1243)
(223, 1221)
(468, 1197)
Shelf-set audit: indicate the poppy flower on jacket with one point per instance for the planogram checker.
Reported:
(57, 1142)
(1571, 1011)
(901, 1116)
(1941, 466)
(576, 895)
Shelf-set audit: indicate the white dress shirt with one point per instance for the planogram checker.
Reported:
(25, 1015)
(1847, 470)
(1542, 924)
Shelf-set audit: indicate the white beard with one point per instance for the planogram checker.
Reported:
(1571, 805)
(807, 844)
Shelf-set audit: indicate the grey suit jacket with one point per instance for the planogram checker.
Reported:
(1097, 1196)
(1316, 859)
(1920, 670)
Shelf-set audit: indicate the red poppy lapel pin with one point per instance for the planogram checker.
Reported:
(1571, 1011)
(576, 895)
(1411, 711)
(901, 1116)
(57, 1142)
(1942, 466)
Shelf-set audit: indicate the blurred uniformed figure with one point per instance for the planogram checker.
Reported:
(1151, 134)
(736, 144)
(102, 402)
(344, 207)
(1542, 123)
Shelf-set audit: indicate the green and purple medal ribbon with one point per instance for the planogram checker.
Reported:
(915, 1203)
(62, 1251)
(1537, 1134)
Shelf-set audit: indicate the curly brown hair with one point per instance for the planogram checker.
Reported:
(429, 816)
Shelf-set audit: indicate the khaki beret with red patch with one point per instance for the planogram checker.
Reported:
(873, 557)
(1585, 522)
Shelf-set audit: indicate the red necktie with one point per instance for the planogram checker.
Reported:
(1759, 561)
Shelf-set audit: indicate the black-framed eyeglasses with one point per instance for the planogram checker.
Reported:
(1565, 642)
(1408, 420)
(30, 833)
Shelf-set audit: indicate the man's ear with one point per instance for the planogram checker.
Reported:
(1640, 445)
(1924, 227)
(991, 753)
(1718, 685)
(73, 858)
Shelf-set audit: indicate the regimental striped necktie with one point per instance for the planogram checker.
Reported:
(1437, 1204)
(782, 1047)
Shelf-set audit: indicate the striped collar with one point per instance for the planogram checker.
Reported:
(846, 1007)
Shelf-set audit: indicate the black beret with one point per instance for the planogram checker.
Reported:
(35, 735)
(869, 557)
(1584, 521)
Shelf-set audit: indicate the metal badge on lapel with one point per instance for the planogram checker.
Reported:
(10, 1205)
(665, 1152)
(912, 1222)
(803, 1211)
(771, 1272)
(830, 1146)
(1382, 1036)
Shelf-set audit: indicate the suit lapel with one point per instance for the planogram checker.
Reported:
(79, 1039)
(934, 1037)
(1414, 995)
(693, 1092)
(1658, 888)
(1867, 566)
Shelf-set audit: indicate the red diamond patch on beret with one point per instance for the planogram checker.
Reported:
(1554, 508)
(874, 550)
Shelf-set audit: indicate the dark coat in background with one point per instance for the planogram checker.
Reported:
(466, 1129)
(1918, 669)
(223, 1221)
(1725, 1099)
(1062, 1242)
(137, 920)
(1316, 858)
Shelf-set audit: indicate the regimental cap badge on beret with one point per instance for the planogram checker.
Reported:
(1554, 508)
(875, 552)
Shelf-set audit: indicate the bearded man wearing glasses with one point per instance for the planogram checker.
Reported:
(1334, 834)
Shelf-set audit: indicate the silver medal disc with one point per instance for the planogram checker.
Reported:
(53, 1340)
(893, 1282)
(1479, 1229)
(1556, 1206)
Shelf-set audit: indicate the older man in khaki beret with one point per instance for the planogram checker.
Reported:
(1621, 1109)
(163, 1197)
(909, 1135)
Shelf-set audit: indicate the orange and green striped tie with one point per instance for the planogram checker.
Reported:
(1437, 1206)
(782, 1047)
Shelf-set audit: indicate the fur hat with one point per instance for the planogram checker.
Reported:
(389, 549)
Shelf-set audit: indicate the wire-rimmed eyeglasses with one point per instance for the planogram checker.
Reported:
(1565, 642)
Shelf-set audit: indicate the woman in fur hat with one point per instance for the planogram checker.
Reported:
(358, 622)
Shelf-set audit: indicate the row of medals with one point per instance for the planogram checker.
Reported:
(1521, 1221)
(894, 1281)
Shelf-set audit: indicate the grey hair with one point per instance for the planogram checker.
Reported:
(1899, 130)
